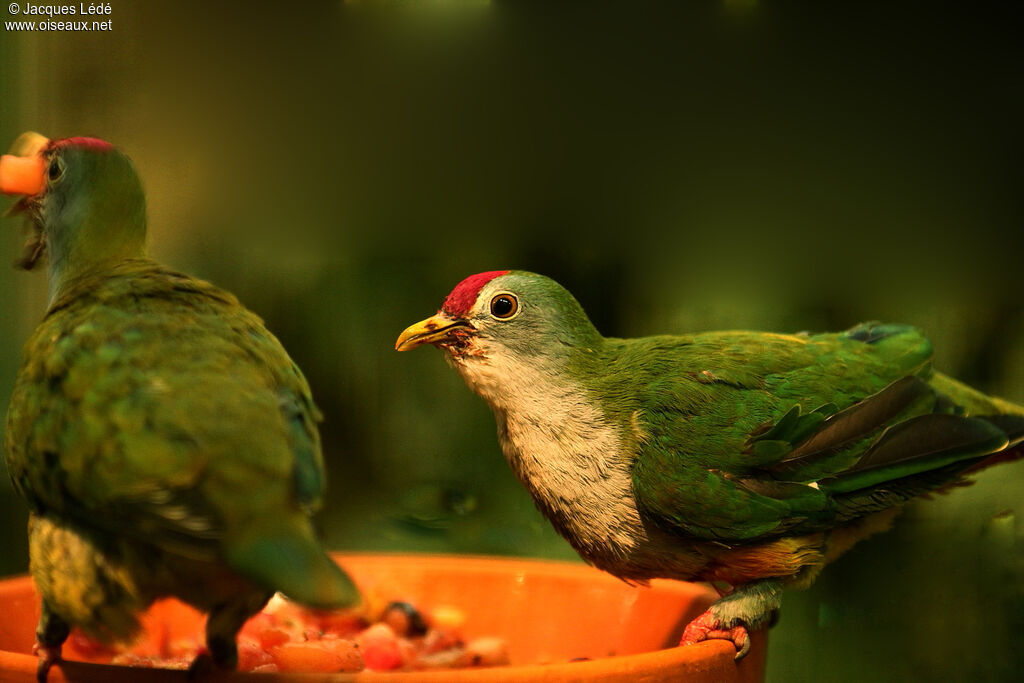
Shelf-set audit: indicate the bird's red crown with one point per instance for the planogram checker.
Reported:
(465, 293)
(94, 144)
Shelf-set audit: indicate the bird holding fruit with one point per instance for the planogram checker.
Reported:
(165, 442)
(745, 459)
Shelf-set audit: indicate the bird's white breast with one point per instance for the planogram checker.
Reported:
(563, 449)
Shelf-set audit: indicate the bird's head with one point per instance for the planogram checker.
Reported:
(84, 201)
(505, 313)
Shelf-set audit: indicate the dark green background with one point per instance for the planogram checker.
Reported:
(781, 166)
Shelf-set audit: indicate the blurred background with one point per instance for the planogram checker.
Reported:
(740, 164)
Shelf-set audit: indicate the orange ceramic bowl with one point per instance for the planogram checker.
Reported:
(548, 612)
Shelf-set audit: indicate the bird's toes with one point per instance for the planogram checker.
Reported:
(707, 627)
(741, 639)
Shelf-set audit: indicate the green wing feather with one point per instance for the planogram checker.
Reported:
(751, 435)
(154, 405)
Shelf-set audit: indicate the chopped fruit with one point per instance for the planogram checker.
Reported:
(312, 656)
(288, 638)
(272, 636)
(380, 647)
(252, 654)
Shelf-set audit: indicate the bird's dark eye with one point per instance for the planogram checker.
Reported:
(504, 306)
(56, 168)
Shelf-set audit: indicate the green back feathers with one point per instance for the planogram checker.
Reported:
(154, 405)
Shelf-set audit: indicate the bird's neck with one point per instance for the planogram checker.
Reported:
(92, 232)
(574, 461)
(89, 256)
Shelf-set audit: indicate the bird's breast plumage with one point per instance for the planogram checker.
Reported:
(571, 459)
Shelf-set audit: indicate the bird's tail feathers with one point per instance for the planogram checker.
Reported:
(1009, 455)
(294, 563)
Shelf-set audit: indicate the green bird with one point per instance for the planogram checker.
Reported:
(164, 440)
(745, 459)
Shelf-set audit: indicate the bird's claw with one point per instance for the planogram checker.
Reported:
(707, 627)
(48, 656)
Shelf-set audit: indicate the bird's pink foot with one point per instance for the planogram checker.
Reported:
(48, 656)
(707, 627)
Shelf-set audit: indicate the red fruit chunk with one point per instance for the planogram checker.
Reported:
(252, 654)
(380, 648)
(272, 636)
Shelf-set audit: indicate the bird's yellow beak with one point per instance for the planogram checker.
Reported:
(435, 329)
(23, 171)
